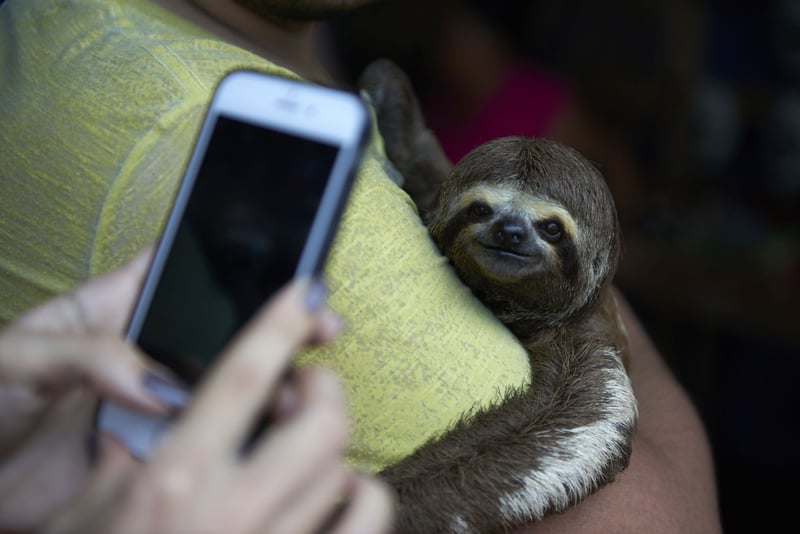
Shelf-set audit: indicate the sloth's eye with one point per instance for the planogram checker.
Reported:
(550, 230)
(479, 209)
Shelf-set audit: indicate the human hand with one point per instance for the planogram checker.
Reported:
(197, 479)
(53, 361)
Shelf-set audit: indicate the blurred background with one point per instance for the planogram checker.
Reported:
(692, 110)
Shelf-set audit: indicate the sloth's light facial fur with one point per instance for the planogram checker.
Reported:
(526, 253)
(512, 198)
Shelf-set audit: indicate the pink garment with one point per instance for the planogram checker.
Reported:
(526, 103)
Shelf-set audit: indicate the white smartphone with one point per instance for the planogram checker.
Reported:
(259, 204)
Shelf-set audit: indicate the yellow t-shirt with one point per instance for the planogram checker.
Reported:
(100, 102)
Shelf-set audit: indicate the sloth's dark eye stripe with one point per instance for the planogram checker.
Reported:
(569, 256)
(462, 218)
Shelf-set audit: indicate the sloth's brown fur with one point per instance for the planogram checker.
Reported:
(530, 226)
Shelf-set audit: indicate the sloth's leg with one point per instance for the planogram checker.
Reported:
(543, 450)
(410, 145)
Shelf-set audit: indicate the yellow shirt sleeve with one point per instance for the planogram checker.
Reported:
(103, 102)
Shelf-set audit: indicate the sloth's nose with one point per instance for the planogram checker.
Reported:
(508, 232)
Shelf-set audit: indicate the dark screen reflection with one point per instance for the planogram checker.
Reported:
(243, 231)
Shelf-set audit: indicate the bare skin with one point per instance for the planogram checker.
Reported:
(284, 33)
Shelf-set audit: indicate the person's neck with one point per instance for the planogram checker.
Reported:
(290, 44)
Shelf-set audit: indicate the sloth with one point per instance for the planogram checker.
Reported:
(530, 227)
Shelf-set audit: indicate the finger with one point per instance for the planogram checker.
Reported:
(54, 362)
(100, 493)
(226, 405)
(295, 451)
(370, 510)
(312, 504)
(100, 305)
(115, 463)
(286, 403)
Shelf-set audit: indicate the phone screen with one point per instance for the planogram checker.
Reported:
(239, 239)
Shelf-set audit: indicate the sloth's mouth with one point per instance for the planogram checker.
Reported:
(515, 254)
(504, 260)
(509, 253)
(504, 264)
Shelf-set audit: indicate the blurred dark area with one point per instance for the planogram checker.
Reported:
(692, 110)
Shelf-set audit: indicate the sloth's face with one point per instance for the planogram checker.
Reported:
(529, 226)
(513, 247)
(509, 236)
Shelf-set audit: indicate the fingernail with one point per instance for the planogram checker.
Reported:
(165, 390)
(316, 295)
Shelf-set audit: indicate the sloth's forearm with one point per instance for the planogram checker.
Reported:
(523, 459)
